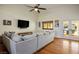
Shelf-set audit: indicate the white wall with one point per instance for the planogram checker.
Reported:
(60, 12)
(53, 12)
(13, 13)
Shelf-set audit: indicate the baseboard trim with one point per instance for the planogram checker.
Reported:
(66, 38)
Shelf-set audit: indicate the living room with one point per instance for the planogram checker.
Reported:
(55, 15)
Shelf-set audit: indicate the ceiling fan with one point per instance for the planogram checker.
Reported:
(36, 8)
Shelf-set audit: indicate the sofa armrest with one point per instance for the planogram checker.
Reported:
(9, 44)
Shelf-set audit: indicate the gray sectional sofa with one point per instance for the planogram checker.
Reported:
(27, 44)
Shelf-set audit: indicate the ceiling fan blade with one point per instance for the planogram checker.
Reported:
(31, 10)
(37, 5)
(42, 8)
(38, 11)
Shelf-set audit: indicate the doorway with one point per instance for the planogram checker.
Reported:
(70, 28)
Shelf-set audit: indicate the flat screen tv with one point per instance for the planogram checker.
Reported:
(23, 23)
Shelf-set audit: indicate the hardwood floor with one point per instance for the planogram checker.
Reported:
(60, 46)
(3, 50)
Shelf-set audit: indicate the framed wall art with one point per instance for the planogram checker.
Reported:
(7, 22)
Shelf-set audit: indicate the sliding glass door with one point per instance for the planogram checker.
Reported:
(70, 28)
(66, 28)
(75, 28)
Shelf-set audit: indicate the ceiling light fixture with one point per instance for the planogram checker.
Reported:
(36, 9)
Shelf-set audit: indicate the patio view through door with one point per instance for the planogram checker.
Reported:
(70, 28)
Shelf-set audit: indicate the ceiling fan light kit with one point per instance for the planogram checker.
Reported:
(36, 9)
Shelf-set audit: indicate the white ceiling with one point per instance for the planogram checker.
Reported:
(51, 6)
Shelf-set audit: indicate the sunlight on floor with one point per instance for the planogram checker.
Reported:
(72, 47)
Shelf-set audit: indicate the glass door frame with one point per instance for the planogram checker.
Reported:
(66, 28)
(70, 22)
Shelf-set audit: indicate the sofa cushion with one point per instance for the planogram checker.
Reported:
(28, 36)
(17, 38)
(9, 34)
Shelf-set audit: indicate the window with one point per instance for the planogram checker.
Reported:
(47, 25)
